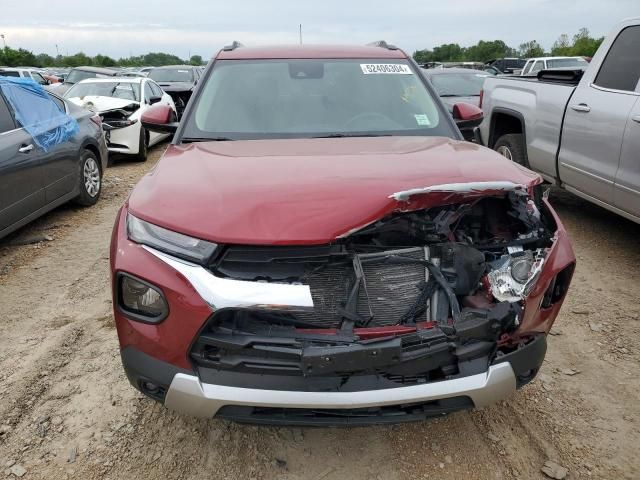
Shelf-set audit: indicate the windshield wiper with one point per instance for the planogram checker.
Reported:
(348, 135)
(206, 139)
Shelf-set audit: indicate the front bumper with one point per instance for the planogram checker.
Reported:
(124, 140)
(183, 391)
(189, 396)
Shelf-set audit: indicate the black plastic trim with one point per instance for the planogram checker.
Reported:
(527, 360)
(140, 367)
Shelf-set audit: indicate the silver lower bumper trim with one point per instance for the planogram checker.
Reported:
(189, 396)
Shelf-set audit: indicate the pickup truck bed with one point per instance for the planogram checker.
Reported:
(579, 130)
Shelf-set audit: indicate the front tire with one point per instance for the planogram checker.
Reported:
(143, 146)
(90, 181)
(511, 146)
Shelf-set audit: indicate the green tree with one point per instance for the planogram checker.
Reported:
(448, 52)
(530, 49)
(11, 57)
(104, 61)
(195, 60)
(562, 46)
(44, 60)
(80, 59)
(423, 56)
(487, 50)
(585, 45)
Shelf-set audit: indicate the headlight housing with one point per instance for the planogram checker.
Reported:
(168, 241)
(141, 300)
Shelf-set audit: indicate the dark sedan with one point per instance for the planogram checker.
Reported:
(178, 81)
(455, 85)
(81, 73)
(33, 179)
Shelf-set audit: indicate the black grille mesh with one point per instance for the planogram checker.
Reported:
(391, 289)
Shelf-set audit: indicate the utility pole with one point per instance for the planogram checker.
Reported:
(300, 34)
(4, 40)
(57, 51)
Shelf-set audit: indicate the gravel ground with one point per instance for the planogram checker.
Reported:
(67, 410)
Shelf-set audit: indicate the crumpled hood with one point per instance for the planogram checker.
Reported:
(311, 191)
(176, 86)
(99, 104)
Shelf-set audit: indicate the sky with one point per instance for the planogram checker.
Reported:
(120, 28)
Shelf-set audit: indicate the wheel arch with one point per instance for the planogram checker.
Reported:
(503, 122)
(93, 147)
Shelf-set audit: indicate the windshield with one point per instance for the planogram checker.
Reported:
(567, 62)
(458, 84)
(514, 62)
(172, 75)
(124, 90)
(313, 98)
(76, 75)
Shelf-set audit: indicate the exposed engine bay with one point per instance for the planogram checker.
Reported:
(413, 297)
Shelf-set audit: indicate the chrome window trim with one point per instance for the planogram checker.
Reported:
(613, 90)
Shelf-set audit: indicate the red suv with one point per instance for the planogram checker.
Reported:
(318, 245)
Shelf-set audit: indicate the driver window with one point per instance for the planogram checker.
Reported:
(38, 78)
(537, 66)
(148, 93)
(157, 91)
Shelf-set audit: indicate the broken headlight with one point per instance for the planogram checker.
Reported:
(515, 274)
(168, 241)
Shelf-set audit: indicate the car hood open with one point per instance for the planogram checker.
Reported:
(312, 191)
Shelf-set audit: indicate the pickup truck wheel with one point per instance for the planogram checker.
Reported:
(511, 146)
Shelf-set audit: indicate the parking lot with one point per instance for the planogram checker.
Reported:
(67, 409)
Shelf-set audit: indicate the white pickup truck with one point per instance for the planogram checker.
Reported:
(579, 129)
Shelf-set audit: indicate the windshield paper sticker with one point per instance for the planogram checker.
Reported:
(422, 120)
(385, 68)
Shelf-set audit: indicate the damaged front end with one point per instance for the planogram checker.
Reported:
(418, 296)
(118, 118)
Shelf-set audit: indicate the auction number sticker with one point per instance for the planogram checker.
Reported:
(385, 68)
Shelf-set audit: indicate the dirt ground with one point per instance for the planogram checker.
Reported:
(67, 410)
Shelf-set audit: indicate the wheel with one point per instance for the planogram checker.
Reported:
(143, 146)
(511, 146)
(90, 179)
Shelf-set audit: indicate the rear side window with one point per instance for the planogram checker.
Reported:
(9, 73)
(59, 102)
(6, 119)
(621, 67)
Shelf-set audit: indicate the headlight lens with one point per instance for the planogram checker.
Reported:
(168, 241)
(141, 301)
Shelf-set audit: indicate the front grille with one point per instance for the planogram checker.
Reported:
(344, 417)
(387, 293)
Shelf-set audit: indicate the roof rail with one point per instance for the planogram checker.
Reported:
(382, 44)
(235, 44)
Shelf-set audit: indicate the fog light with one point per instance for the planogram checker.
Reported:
(150, 387)
(141, 301)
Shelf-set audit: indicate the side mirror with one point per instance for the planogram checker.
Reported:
(154, 99)
(467, 116)
(160, 119)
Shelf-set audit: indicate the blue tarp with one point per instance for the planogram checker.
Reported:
(37, 112)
